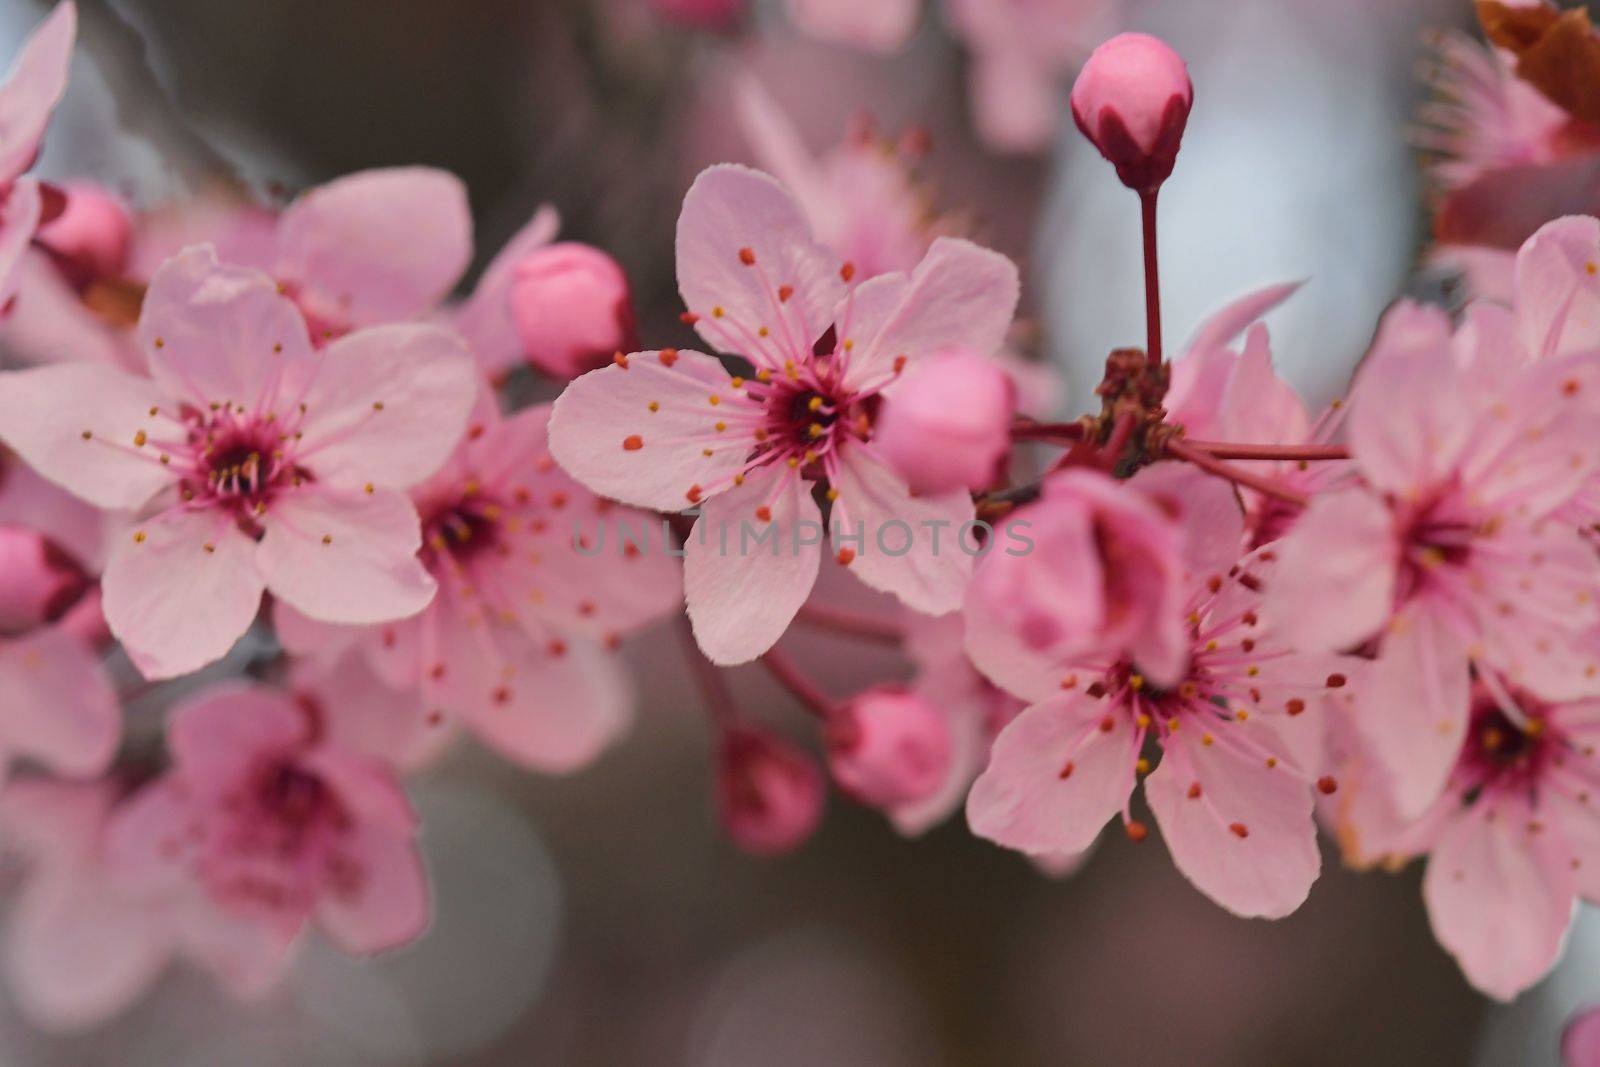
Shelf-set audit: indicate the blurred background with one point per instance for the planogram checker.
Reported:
(602, 919)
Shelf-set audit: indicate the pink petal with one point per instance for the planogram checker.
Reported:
(80, 948)
(214, 333)
(780, 150)
(1411, 707)
(1409, 417)
(1258, 405)
(1226, 325)
(743, 594)
(1499, 897)
(310, 639)
(60, 708)
(387, 406)
(378, 245)
(1266, 870)
(1334, 585)
(1206, 510)
(45, 412)
(1003, 657)
(730, 211)
(49, 322)
(882, 26)
(1557, 289)
(607, 435)
(960, 296)
(248, 956)
(908, 543)
(964, 700)
(218, 737)
(33, 87)
(484, 318)
(1056, 775)
(20, 212)
(345, 557)
(386, 904)
(175, 605)
(368, 790)
(360, 713)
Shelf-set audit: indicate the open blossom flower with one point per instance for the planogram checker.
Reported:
(1452, 551)
(31, 91)
(1237, 735)
(862, 197)
(261, 828)
(1102, 573)
(538, 580)
(1512, 844)
(671, 429)
(253, 462)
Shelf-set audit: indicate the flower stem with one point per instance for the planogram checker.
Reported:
(1065, 432)
(1228, 450)
(1117, 440)
(803, 689)
(1180, 449)
(850, 624)
(1152, 280)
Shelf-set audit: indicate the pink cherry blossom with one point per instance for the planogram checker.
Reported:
(1453, 551)
(1021, 50)
(1513, 842)
(32, 88)
(538, 581)
(668, 429)
(251, 461)
(888, 746)
(948, 425)
(1102, 573)
(1132, 100)
(769, 794)
(260, 828)
(1239, 744)
(572, 307)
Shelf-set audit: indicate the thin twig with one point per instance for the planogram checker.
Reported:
(803, 689)
(851, 624)
(1179, 449)
(1229, 450)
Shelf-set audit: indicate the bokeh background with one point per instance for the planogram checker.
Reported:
(601, 919)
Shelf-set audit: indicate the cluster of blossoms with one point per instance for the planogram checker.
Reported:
(275, 441)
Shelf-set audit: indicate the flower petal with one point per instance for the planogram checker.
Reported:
(484, 318)
(216, 738)
(377, 245)
(788, 283)
(345, 557)
(1557, 287)
(907, 545)
(45, 413)
(386, 406)
(60, 708)
(175, 604)
(33, 87)
(639, 432)
(1334, 584)
(1056, 775)
(881, 26)
(746, 575)
(385, 904)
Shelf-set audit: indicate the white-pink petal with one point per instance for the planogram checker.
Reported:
(59, 707)
(33, 87)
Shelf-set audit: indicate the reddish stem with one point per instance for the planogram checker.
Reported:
(1117, 440)
(1179, 449)
(1065, 432)
(803, 689)
(851, 624)
(719, 698)
(1228, 450)
(1152, 282)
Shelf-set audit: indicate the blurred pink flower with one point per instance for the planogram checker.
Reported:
(538, 580)
(260, 827)
(1512, 844)
(879, 26)
(254, 462)
(1239, 733)
(1021, 51)
(572, 308)
(948, 425)
(91, 237)
(1580, 1041)
(671, 429)
(1452, 552)
(32, 88)
(888, 746)
(769, 793)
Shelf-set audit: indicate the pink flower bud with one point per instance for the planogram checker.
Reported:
(948, 424)
(769, 793)
(706, 13)
(38, 581)
(888, 746)
(1580, 1041)
(572, 308)
(1132, 99)
(91, 235)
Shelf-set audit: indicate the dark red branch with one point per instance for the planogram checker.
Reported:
(803, 689)
(1228, 450)
(1179, 449)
